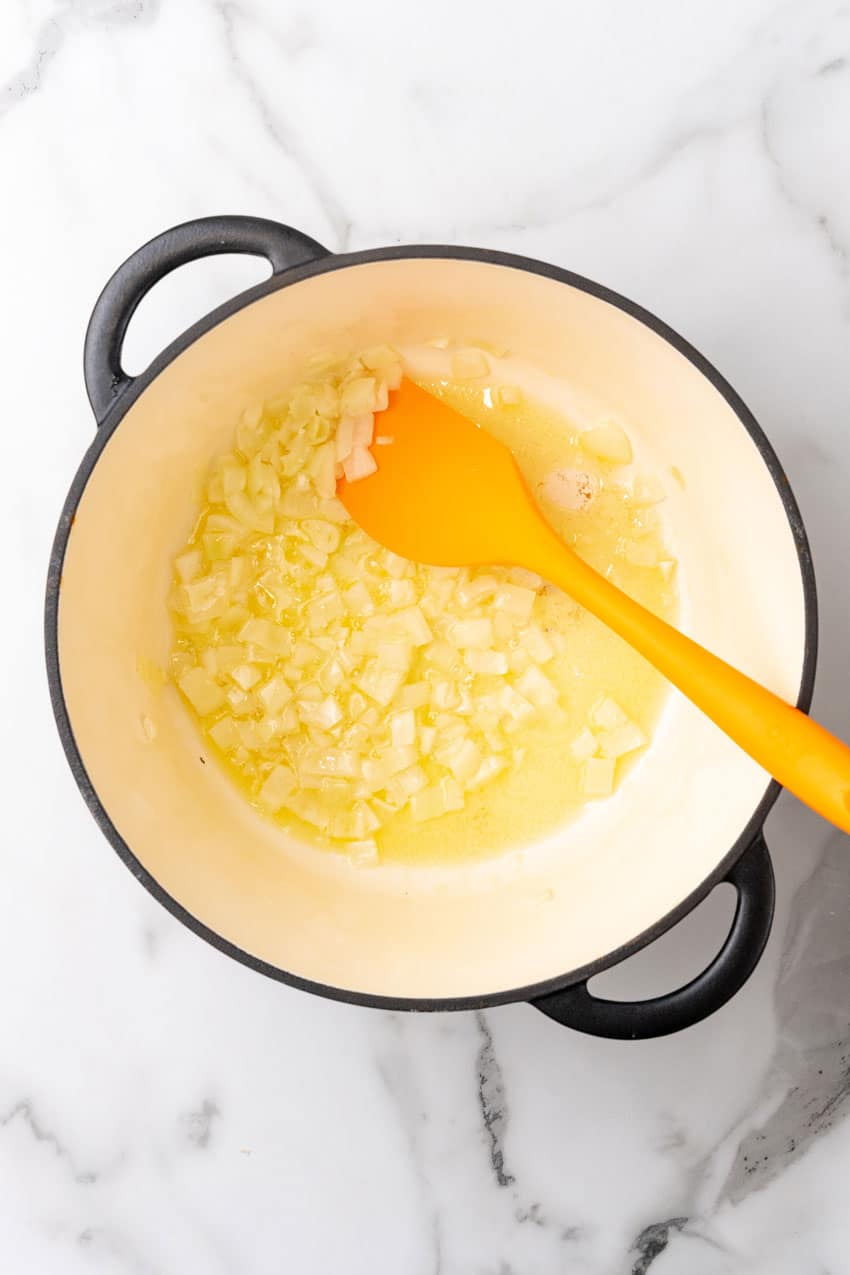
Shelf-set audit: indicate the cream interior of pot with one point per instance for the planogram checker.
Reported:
(504, 923)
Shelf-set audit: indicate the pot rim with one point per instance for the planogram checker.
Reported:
(137, 387)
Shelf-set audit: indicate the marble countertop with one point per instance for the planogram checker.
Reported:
(164, 1111)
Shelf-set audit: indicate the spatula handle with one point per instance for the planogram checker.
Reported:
(805, 758)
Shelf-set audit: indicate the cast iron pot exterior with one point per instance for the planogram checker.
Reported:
(294, 257)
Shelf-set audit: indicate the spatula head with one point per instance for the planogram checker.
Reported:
(445, 492)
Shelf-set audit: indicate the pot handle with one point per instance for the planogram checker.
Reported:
(282, 246)
(576, 1007)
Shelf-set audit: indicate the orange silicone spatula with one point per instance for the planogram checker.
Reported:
(447, 493)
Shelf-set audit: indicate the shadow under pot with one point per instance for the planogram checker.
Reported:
(688, 818)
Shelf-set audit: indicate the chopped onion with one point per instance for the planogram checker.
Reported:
(621, 740)
(608, 443)
(606, 714)
(277, 788)
(359, 463)
(584, 745)
(345, 683)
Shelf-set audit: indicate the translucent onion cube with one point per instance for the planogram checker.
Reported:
(486, 662)
(188, 565)
(537, 688)
(379, 683)
(621, 740)
(276, 789)
(358, 397)
(403, 728)
(436, 800)
(536, 643)
(246, 675)
(225, 734)
(359, 463)
(606, 714)
(472, 633)
(202, 692)
(609, 443)
(413, 622)
(514, 600)
(584, 745)
(275, 693)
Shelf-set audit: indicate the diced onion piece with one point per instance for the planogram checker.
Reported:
(379, 358)
(334, 763)
(379, 683)
(401, 593)
(202, 692)
(621, 740)
(414, 695)
(358, 396)
(536, 643)
(396, 654)
(344, 437)
(225, 734)
(358, 600)
(486, 662)
(383, 440)
(436, 800)
(272, 637)
(462, 758)
(188, 565)
(469, 365)
(667, 566)
(246, 675)
(514, 706)
(584, 745)
(275, 693)
(363, 429)
(514, 600)
(608, 443)
(606, 714)
(359, 463)
(475, 590)
(598, 777)
(403, 728)
(323, 535)
(277, 788)
(648, 490)
(537, 688)
(324, 714)
(489, 769)
(413, 622)
(472, 633)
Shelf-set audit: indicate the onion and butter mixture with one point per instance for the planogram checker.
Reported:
(395, 710)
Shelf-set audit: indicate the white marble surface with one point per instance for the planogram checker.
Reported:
(164, 1111)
